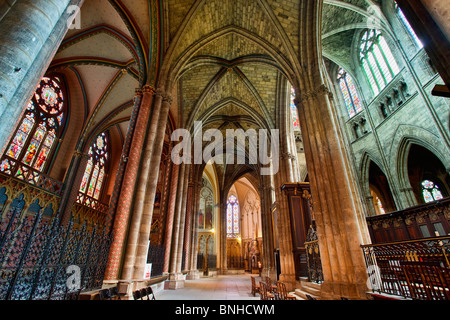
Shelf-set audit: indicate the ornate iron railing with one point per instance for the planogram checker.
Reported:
(417, 269)
(43, 260)
(315, 272)
(200, 261)
(155, 256)
(92, 203)
(18, 170)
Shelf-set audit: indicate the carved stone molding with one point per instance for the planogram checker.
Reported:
(167, 98)
(148, 89)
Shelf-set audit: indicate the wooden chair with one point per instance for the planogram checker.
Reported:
(150, 293)
(104, 294)
(265, 294)
(115, 293)
(282, 292)
(270, 286)
(255, 288)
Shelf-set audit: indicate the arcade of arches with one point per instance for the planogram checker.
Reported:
(354, 95)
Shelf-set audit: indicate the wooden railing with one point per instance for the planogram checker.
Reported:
(417, 269)
(423, 221)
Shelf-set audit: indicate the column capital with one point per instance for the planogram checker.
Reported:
(138, 92)
(313, 94)
(80, 154)
(149, 89)
(168, 98)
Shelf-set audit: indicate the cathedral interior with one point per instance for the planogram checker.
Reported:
(118, 171)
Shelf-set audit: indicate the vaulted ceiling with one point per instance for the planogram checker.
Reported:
(227, 58)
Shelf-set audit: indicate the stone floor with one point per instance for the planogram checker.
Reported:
(223, 287)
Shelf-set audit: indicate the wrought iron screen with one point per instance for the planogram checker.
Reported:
(156, 255)
(418, 269)
(315, 273)
(43, 260)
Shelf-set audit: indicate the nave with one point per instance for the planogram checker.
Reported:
(223, 287)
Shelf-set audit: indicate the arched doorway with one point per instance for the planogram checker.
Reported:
(380, 190)
(243, 228)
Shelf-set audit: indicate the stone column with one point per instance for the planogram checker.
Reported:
(124, 201)
(284, 227)
(268, 254)
(26, 52)
(193, 271)
(74, 178)
(183, 219)
(429, 19)
(176, 281)
(143, 167)
(124, 159)
(338, 212)
(170, 216)
(147, 196)
(188, 224)
(223, 237)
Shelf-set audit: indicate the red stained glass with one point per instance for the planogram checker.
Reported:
(294, 112)
(37, 133)
(93, 182)
(21, 137)
(43, 154)
(232, 217)
(99, 184)
(349, 93)
(87, 175)
(33, 147)
(95, 173)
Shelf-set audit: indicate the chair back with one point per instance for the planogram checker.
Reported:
(137, 295)
(268, 284)
(282, 291)
(150, 293)
(115, 293)
(263, 291)
(104, 294)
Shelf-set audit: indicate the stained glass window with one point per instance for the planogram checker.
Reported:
(39, 129)
(380, 206)
(349, 93)
(431, 191)
(377, 60)
(294, 111)
(96, 168)
(407, 25)
(232, 217)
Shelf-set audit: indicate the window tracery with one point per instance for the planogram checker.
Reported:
(38, 131)
(377, 60)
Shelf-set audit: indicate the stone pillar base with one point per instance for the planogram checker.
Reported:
(335, 290)
(176, 281)
(289, 280)
(193, 275)
(269, 272)
(127, 287)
